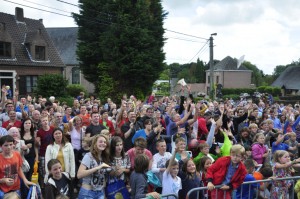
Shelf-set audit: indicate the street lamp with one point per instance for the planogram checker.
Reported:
(211, 65)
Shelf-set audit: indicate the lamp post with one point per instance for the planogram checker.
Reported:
(211, 65)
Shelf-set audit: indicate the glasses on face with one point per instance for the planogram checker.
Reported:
(58, 116)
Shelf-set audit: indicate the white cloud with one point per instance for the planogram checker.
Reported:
(265, 31)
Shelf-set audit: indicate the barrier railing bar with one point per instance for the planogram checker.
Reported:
(249, 182)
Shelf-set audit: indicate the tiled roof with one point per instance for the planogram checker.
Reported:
(65, 41)
(289, 78)
(228, 63)
(18, 31)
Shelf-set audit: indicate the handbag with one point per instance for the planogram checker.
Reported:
(25, 166)
(116, 189)
(153, 180)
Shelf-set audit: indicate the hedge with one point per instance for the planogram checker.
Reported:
(275, 91)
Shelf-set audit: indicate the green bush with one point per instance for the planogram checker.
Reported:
(68, 100)
(51, 85)
(237, 91)
(233, 96)
(74, 89)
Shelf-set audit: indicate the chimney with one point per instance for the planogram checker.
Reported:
(41, 20)
(19, 14)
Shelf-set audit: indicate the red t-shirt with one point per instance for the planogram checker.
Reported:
(9, 168)
(46, 139)
(17, 124)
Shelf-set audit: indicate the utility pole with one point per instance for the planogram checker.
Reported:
(211, 66)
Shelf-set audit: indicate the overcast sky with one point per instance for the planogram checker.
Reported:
(266, 32)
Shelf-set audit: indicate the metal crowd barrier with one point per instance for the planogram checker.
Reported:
(204, 189)
(166, 196)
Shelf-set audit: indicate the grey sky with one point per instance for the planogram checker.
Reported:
(266, 32)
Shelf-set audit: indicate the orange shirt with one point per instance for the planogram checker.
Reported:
(9, 168)
(85, 119)
(258, 176)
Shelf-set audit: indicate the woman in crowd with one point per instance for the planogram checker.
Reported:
(61, 150)
(28, 135)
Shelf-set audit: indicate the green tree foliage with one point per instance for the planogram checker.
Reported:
(121, 45)
(165, 75)
(192, 72)
(278, 70)
(51, 85)
(74, 89)
(257, 75)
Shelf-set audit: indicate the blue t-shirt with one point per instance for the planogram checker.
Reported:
(245, 189)
(281, 146)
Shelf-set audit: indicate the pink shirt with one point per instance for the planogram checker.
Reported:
(131, 155)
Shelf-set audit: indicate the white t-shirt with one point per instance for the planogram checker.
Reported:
(170, 185)
(159, 161)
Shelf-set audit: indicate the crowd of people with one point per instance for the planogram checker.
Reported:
(185, 144)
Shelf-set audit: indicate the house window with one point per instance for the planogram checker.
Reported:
(208, 79)
(5, 49)
(40, 52)
(217, 81)
(31, 82)
(75, 75)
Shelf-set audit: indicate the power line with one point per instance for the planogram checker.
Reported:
(185, 34)
(46, 6)
(38, 9)
(199, 51)
(115, 16)
(179, 38)
(68, 3)
(102, 22)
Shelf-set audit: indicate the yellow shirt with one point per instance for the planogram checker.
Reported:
(60, 157)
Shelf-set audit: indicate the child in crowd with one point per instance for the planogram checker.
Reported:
(181, 155)
(94, 168)
(279, 145)
(85, 148)
(262, 174)
(204, 151)
(217, 173)
(171, 183)
(119, 160)
(160, 159)
(292, 141)
(259, 150)
(247, 191)
(190, 179)
(10, 167)
(138, 179)
(281, 169)
(253, 129)
(205, 163)
(59, 183)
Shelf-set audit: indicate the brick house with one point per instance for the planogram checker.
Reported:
(65, 41)
(26, 51)
(228, 75)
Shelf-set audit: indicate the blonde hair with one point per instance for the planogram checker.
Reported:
(253, 125)
(279, 154)
(257, 135)
(237, 149)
